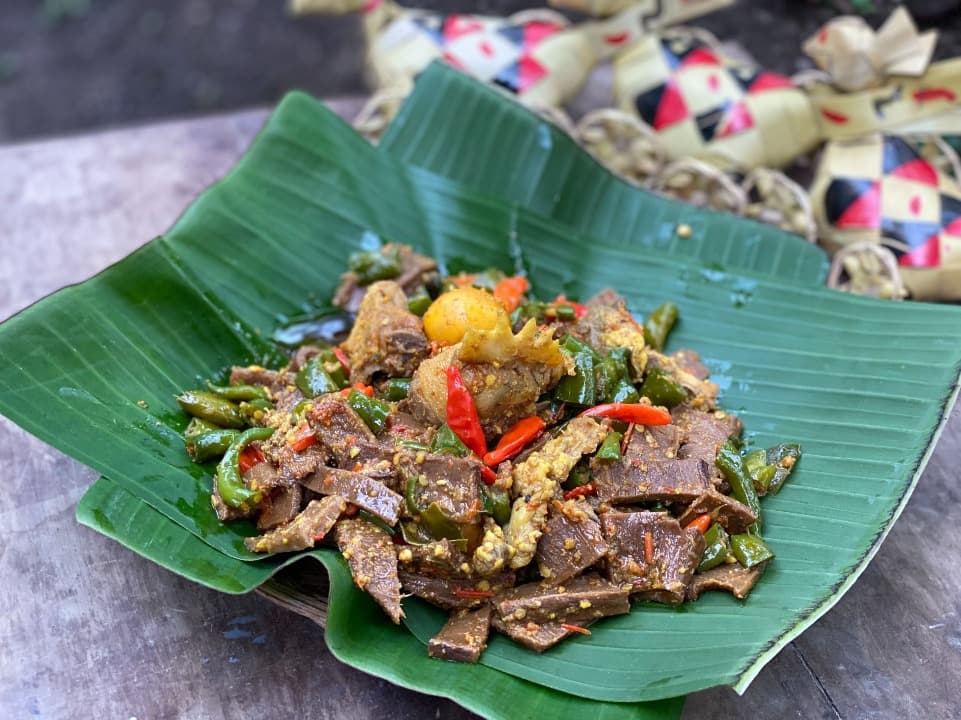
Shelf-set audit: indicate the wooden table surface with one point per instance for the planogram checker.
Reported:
(90, 629)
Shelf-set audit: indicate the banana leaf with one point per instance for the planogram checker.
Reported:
(864, 385)
(505, 150)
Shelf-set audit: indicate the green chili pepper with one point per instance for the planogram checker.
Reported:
(296, 415)
(374, 520)
(611, 447)
(313, 379)
(659, 387)
(397, 389)
(579, 388)
(530, 310)
(230, 484)
(497, 503)
(750, 550)
(565, 313)
(445, 442)
(783, 457)
(373, 266)
(658, 324)
(440, 526)
(580, 475)
(419, 303)
(211, 408)
(239, 392)
(731, 465)
(624, 392)
(414, 533)
(717, 548)
(760, 471)
(621, 389)
(254, 410)
(371, 411)
(205, 441)
(412, 445)
(334, 367)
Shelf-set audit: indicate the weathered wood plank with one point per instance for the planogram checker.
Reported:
(92, 630)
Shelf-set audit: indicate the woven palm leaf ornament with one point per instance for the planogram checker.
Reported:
(687, 119)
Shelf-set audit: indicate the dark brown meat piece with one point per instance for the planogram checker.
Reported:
(304, 530)
(453, 483)
(608, 325)
(733, 578)
(364, 492)
(607, 298)
(690, 362)
(584, 598)
(369, 552)
(253, 375)
(569, 545)
(291, 464)
(387, 338)
(534, 636)
(338, 427)
(415, 271)
(443, 593)
(703, 433)
(732, 515)
(280, 506)
(225, 513)
(676, 553)
(264, 476)
(464, 637)
(630, 481)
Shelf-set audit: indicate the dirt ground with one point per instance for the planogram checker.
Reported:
(74, 65)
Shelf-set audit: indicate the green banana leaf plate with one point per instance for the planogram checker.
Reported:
(865, 386)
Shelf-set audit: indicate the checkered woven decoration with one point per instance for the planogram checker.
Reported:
(899, 197)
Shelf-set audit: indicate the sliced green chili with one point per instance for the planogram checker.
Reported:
(205, 441)
(659, 387)
(313, 379)
(731, 465)
(445, 442)
(374, 520)
(413, 445)
(414, 533)
(397, 389)
(373, 266)
(371, 411)
(497, 503)
(783, 457)
(717, 548)
(254, 410)
(611, 447)
(580, 475)
(230, 485)
(433, 519)
(419, 303)
(750, 550)
(212, 408)
(239, 392)
(580, 387)
(658, 325)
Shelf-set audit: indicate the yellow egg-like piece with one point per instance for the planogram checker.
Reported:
(449, 316)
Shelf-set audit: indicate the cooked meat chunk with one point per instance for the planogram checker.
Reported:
(733, 578)
(631, 481)
(387, 338)
(534, 636)
(733, 516)
(294, 465)
(453, 483)
(505, 373)
(703, 433)
(702, 393)
(608, 325)
(450, 594)
(415, 271)
(607, 298)
(224, 511)
(536, 481)
(584, 598)
(690, 362)
(651, 553)
(264, 476)
(303, 531)
(364, 492)
(439, 558)
(464, 637)
(571, 542)
(280, 506)
(369, 552)
(253, 375)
